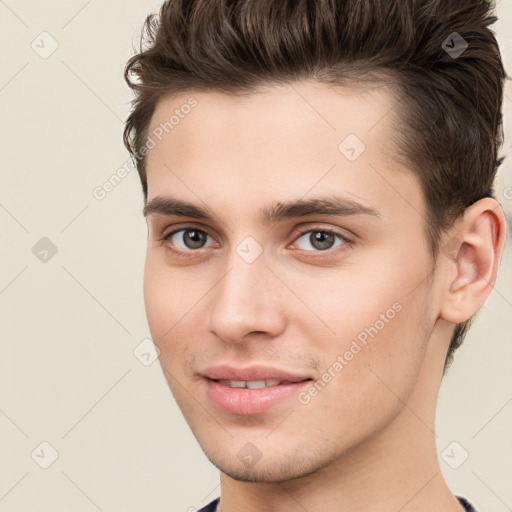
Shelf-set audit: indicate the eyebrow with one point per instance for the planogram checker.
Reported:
(279, 211)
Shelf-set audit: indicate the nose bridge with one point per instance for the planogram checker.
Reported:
(243, 301)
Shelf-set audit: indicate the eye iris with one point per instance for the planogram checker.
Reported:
(323, 239)
(195, 237)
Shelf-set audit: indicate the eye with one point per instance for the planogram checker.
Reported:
(321, 239)
(190, 239)
(187, 239)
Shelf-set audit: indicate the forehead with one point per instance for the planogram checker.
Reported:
(280, 143)
(288, 109)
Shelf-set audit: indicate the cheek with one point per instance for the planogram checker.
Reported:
(347, 304)
(375, 317)
(155, 299)
(368, 370)
(166, 299)
(174, 299)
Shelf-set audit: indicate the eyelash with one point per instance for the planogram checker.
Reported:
(190, 253)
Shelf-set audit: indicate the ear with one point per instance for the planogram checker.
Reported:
(471, 255)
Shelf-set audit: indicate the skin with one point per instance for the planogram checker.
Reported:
(366, 441)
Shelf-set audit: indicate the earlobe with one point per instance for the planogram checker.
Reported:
(473, 262)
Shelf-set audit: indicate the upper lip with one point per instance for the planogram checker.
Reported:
(251, 373)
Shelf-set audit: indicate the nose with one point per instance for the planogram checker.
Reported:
(247, 300)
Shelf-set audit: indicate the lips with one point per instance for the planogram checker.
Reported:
(252, 373)
(251, 390)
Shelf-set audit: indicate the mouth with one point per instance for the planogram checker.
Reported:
(259, 375)
(253, 395)
(255, 384)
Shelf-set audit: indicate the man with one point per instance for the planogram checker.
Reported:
(322, 229)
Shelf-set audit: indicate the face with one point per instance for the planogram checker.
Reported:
(282, 328)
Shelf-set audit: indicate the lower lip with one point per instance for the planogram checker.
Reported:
(251, 401)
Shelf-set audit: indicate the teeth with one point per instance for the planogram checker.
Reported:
(255, 384)
(250, 384)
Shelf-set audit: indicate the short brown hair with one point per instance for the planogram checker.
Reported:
(450, 95)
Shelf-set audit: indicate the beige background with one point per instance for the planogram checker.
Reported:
(69, 326)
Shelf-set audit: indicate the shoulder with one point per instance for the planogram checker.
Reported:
(210, 507)
(466, 504)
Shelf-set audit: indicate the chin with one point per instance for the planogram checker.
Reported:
(267, 471)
